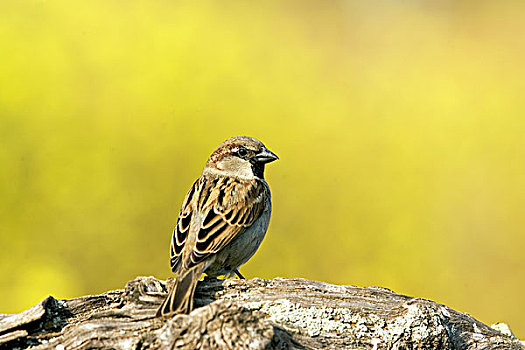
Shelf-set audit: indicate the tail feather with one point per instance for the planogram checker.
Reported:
(180, 297)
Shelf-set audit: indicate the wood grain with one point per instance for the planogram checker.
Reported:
(249, 314)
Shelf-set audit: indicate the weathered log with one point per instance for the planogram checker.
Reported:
(249, 314)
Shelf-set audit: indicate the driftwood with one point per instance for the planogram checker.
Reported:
(249, 314)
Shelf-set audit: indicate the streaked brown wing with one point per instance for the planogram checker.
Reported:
(180, 233)
(228, 206)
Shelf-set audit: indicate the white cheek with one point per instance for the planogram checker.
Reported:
(246, 171)
(238, 167)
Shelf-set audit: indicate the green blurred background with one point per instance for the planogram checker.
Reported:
(400, 126)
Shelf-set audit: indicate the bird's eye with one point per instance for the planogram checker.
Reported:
(242, 152)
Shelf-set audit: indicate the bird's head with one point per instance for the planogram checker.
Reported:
(239, 156)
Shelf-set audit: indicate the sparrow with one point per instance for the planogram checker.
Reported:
(223, 219)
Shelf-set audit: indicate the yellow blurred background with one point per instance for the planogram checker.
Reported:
(400, 126)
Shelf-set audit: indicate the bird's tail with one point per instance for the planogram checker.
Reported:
(180, 297)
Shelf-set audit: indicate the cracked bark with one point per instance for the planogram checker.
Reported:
(255, 314)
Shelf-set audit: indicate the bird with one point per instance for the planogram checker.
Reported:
(223, 219)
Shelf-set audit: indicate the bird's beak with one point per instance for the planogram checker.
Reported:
(265, 156)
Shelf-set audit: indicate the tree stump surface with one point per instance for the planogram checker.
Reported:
(249, 314)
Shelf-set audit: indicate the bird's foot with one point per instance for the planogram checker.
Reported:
(239, 274)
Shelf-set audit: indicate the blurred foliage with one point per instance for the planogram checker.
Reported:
(400, 127)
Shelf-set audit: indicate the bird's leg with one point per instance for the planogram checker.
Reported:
(239, 274)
